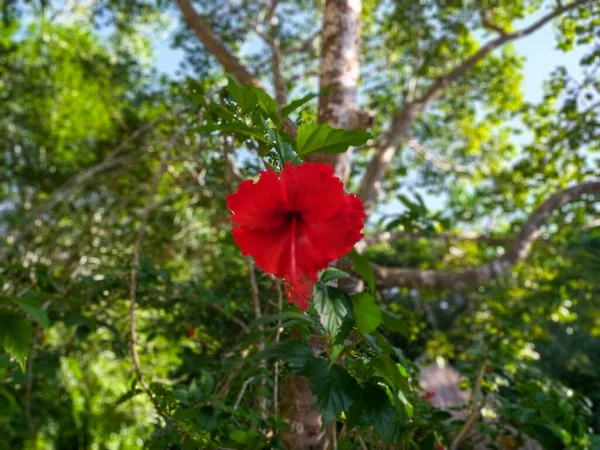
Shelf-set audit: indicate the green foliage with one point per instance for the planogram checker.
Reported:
(84, 121)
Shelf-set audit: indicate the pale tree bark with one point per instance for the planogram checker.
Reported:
(340, 40)
(387, 277)
(401, 125)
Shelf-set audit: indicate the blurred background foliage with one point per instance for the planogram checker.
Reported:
(85, 118)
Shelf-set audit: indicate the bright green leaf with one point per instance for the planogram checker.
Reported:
(363, 268)
(322, 138)
(295, 104)
(244, 96)
(366, 313)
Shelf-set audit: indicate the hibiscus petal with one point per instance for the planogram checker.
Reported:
(319, 243)
(260, 205)
(313, 190)
(270, 249)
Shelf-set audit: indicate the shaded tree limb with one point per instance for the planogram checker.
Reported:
(399, 129)
(388, 277)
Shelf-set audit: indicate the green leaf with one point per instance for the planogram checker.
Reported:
(297, 354)
(286, 315)
(30, 307)
(295, 104)
(394, 322)
(332, 273)
(16, 334)
(320, 137)
(238, 129)
(266, 103)
(389, 371)
(333, 386)
(545, 435)
(366, 313)
(244, 96)
(362, 266)
(374, 409)
(333, 308)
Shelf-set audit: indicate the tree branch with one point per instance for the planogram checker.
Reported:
(230, 62)
(214, 46)
(436, 161)
(387, 277)
(402, 122)
(475, 409)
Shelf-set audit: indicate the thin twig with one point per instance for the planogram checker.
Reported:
(475, 408)
(277, 283)
(242, 392)
(260, 345)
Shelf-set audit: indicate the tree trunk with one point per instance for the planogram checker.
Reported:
(340, 37)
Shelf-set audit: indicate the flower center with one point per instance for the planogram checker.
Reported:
(294, 216)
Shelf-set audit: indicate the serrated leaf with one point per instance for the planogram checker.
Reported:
(333, 308)
(332, 273)
(322, 138)
(374, 409)
(363, 268)
(16, 334)
(297, 354)
(333, 386)
(367, 314)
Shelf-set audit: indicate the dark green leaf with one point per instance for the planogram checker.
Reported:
(16, 334)
(374, 409)
(334, 387)
(546, 436)
(297, 354)
(30, 307)
(325, 139)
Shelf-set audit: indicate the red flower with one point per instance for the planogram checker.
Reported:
(296, 224)
(427, 395)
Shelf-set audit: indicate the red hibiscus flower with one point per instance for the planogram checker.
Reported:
(296, 224)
